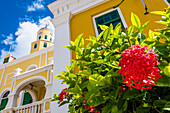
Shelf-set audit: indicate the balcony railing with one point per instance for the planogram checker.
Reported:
(35, 107)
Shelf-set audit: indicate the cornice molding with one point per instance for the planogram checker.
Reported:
(61, 7)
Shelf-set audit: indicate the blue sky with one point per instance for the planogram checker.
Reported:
(19, 22)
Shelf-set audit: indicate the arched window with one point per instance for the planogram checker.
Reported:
(45, 37)
(35, 45)
(4, 100)
(27, 98)
(45, 44)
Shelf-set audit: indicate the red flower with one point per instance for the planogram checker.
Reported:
(138, 67)
(63, 94)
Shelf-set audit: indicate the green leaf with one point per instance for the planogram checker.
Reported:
(75, 90)
(129, 94)
(95, 101)
(97, 79)
(163, 81)
(159, 103)
(92, 91)
(67, 67)
(142, 110)
(135, 20)
(63, 102)
(130, 30)
(167, 71)
(107, 108)
(158, 13)
(103, 27)
(79, 41)
(106, 34)
(167, 106)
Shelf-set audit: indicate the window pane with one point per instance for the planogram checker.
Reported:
(35, 45)
(6, 60)
(45, 44)
(100, 21)
(6, 94)
(50, 39)
(27, 98)
(107, 18)
(45, 37)
(39, 37)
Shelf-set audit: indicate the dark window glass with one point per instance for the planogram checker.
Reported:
(6, 94)
(112, 17)
(39, 37)
(6, 60)
(168, 1)
(27, 98)
(50, 39)
(35, 45)
(45, 44)
(45, 37)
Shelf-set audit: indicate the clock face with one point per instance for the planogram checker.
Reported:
(40, 33)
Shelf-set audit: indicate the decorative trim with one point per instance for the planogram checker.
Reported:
(120, 14)
(32, 72)
(27, 81)
(166, 2)
(7, 78)
(61, 7)
(40, 61)
(2, 75)
(32, 55)
(32, 65)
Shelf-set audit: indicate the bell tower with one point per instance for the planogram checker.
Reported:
(44, 39)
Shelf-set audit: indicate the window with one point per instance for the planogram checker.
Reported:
(35, 45)
(4, 100)
(45, 44)
(39, 37)
(45, 37)
(40, 33)
(168, 1)
(27, 98)
(113, 16)
(6, 60)
(50, 39)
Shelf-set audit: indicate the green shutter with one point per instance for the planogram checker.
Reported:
(27, 98)
(3, 103)
(6, 60)
(112, 17)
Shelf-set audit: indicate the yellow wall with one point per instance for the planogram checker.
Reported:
(83, 23)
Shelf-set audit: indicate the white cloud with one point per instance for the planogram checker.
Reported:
(26, 34)
(8, 40)
(36, 5)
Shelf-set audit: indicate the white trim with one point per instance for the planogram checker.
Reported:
(2, 75)
(32, 65)
(166, 2)
(40, 61)
(46, 55)
(7, 78)
(3, 92)
(21, 97)
(32, 55)
(21, 85)
(47, 75)
(120, 14)
(32, 72)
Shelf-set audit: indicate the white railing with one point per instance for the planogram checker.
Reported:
(35, 107)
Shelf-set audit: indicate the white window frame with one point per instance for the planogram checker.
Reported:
(166, 2)
(120, 14)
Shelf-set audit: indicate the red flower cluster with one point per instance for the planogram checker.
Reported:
(92, 109)
(138, 66)
(63, 94)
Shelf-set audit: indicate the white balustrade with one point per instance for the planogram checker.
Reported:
(35, 107)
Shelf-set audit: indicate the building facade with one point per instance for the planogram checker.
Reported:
(27, 83)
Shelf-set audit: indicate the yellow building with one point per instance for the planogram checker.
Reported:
(27, 83)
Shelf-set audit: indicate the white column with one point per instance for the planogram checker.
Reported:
(21, 97)
(61, 56)
(12, 101)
